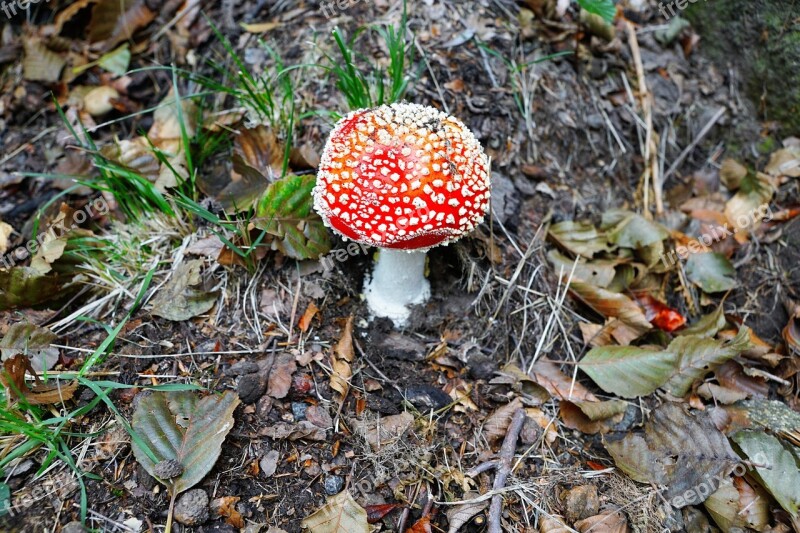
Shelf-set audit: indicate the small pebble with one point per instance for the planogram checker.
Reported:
(74, 527)
(191, 509)
(334, 484)
(299, 410)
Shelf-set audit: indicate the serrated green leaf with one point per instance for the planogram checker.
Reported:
(285, 211)
(628, 371)
(179, 426)
(697, 356)
(776, 467)
(604, 8)
(711, 271)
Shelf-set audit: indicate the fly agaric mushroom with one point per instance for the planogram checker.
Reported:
(402, 177)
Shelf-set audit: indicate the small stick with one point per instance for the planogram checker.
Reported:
(504, 469)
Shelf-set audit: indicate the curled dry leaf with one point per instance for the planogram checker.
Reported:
(612, 304)
(678, 450)
(784, 162)
(553, 524)
(461, 515)
(302, 430)
(383, 432)
(607, 522)
(13, 379)
(731, 173)
(497, 423)
(599, 272)
(280, 376)
(341, 358)
(592, 417)
(226, 508)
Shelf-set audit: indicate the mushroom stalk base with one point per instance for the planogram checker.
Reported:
(397, 282)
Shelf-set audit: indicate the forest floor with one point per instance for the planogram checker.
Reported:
(611, 146)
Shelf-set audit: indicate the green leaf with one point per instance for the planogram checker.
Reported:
(5, 499)
(711, 271)
(580, 238)
(116, 61)
(341, 514)
(775, 465)
(697, 356)
(180, 299)
(285, 211)
(634, 231)
(628, 371)
(178, 426)
(708, 325)
(604, 8)
(600, 272)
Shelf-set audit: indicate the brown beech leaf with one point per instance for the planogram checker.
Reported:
(41, 63)
(606, 522)
(340, 514)
(612, 304)
(308, 316)
(13, 379)
(549, 376)
(342, 356)
(280, 376)
(226, 508)
(592, 417)
(497, 423)
(114, 21)
(677, 450)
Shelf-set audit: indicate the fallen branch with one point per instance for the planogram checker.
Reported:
(505, 460)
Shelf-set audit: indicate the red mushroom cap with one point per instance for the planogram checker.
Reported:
(402, 176)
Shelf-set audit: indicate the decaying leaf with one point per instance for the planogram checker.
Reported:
(776, 466)
(341, 514)
(114, 21)
(711, 271)
(26, 287)
(737, 504)
(558, 384)
(33, 341)
(599, 272)
(182, 427)
(678, 450)
(742, 211)
(180, 299)
(519, 381)
(5, 232)
(631, 230)
(708, 325)
(280, 376)
(226, 507)
(553, 524)
(784, 162)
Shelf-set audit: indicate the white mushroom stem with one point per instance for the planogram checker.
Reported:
(397, 282)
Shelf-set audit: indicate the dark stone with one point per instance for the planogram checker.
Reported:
(481, 367)
(252, 387)
(299, 410)
(427, 397)
(242, 368)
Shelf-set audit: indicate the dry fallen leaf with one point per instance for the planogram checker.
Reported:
(280, 376)
(677, 450)
(341, 358)
(497, 423)
(341, 514)
(226, 507)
